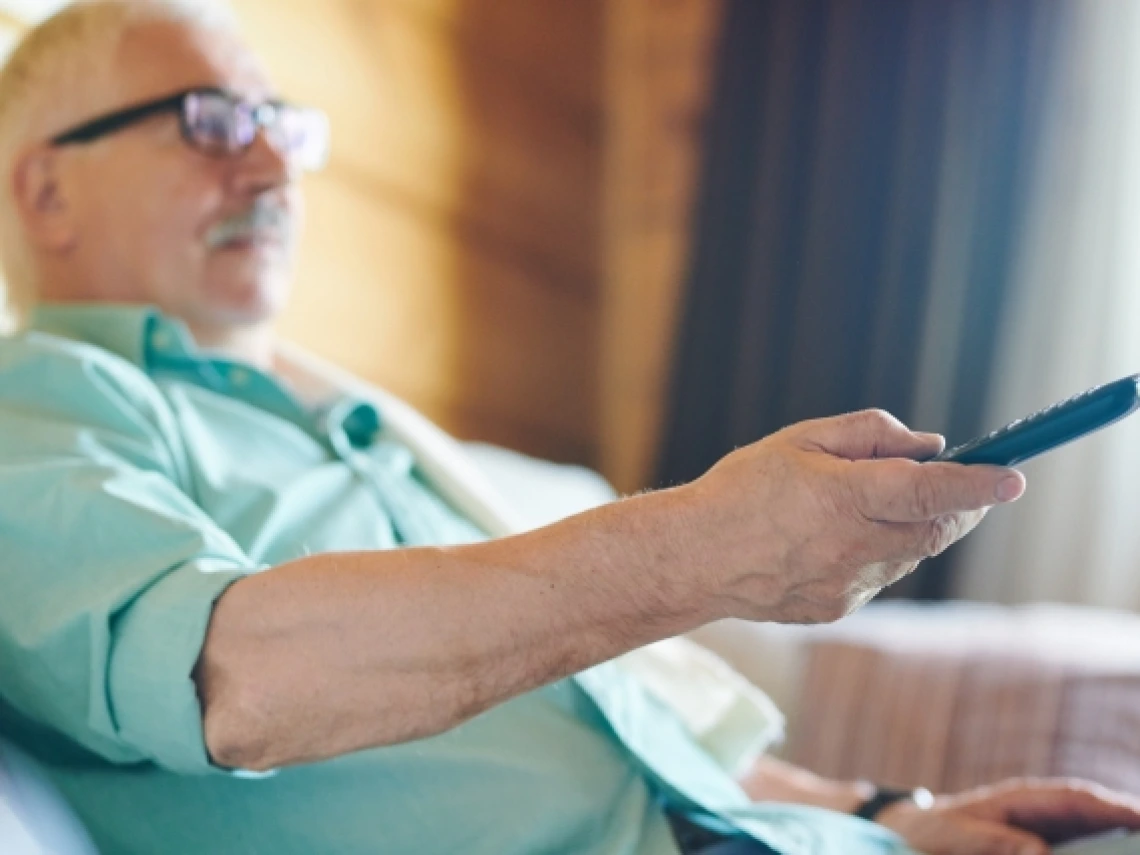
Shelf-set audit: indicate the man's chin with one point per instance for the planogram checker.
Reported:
(247, 307)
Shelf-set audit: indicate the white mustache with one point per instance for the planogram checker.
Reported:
(263, 220)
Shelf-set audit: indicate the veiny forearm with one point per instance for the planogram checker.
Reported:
(338, 652)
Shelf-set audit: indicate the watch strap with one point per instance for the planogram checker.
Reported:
(886, 796)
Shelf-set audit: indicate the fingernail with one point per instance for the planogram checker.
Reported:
(934, 439)
(1008, 489)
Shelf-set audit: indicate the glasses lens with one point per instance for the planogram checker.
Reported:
(302, 134)
(217, 124)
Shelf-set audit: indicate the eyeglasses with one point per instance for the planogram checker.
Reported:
(218, 123)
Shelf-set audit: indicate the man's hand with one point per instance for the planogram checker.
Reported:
(808, 524)
(1018, 817)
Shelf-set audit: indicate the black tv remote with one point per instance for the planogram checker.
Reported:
(1052, 427)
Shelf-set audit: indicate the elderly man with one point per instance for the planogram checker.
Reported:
(240, 615)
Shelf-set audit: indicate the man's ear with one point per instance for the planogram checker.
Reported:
(42, 201)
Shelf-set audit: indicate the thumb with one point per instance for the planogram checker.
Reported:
(866, 434)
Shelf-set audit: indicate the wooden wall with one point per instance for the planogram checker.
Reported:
(660, 60)
(452, 250)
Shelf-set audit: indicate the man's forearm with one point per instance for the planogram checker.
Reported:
(772, 780)
(334, 653)
(338, 652)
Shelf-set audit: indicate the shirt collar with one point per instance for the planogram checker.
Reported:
(156, 343)
(138, 333)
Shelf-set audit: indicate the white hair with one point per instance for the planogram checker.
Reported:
(44, 85)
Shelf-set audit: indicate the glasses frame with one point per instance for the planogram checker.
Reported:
(263, 115)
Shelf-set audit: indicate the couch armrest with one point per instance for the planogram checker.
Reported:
(955, 695)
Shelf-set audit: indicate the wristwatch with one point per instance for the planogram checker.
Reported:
(886, 796)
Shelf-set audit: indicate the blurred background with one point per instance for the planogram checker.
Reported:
(636, 234)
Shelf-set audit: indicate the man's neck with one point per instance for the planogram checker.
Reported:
(254, 345)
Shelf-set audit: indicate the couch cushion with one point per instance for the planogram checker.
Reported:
(34, 820)
(951, 699)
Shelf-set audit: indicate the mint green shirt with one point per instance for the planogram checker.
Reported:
(139, 477)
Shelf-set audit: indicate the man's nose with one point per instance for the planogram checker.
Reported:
(263, 166)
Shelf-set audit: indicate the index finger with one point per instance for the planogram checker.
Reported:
(905, 491)
(868, 434)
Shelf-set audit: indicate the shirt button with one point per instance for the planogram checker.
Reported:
(160, 340)
(239, 377)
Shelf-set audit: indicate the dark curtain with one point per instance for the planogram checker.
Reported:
(858, 214)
